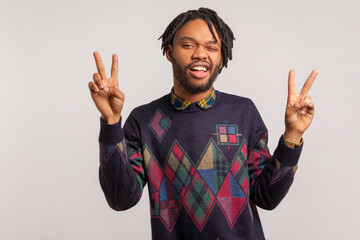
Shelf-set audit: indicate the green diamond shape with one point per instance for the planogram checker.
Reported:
(198, 186)
(199, 212)
(206, 198)
(182, 172)
(191, 200)
(164, 123)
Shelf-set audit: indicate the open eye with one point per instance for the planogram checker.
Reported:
(187, 45)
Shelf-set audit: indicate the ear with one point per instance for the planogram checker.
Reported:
(169, 52)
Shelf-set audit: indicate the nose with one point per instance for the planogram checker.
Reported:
(199, 53)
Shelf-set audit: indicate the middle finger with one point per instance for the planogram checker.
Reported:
(309, 81)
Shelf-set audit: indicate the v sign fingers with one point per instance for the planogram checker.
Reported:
(105, 92)
(299, 110)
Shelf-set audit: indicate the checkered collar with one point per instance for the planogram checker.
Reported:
(181, 104)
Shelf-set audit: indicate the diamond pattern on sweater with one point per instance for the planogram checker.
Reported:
(169, 211)
(153, 170)
(159, 124)
(213, 161)
(170, 203)
(179, 169)
(232, 199)
(105, 152)
(199, 187)
(238, 169)
(199, 201)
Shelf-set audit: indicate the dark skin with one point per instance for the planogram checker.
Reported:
(193, 43)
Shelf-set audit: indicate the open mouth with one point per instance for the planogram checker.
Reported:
(199, 70)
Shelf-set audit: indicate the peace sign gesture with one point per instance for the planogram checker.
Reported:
(105, 92)
(299, 108)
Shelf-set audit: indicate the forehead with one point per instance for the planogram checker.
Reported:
(197, 29)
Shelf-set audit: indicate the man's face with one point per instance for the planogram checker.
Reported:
(195, 56)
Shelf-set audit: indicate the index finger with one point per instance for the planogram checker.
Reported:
(308, 83)
(291, 82)
(99, 65)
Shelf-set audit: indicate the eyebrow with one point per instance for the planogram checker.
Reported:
(193, 39)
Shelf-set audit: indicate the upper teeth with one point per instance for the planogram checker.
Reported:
(199, 68)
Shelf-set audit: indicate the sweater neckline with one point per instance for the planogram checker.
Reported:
(195, 107)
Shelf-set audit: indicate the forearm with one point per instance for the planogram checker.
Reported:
(276, 177)
(116, 174)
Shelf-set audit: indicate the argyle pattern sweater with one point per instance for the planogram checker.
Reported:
(207, 170)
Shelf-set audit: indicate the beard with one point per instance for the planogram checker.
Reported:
(180, 74)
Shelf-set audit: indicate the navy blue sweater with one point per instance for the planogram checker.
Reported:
(206, 170)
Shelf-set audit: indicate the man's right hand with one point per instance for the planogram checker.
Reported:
(105, 92)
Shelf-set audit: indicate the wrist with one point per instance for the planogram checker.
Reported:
(293, 137)
(111, 119)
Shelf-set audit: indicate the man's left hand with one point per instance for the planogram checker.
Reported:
(299, 108)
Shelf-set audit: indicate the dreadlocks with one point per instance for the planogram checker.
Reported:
(212, 19)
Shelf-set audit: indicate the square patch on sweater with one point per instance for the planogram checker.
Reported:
(227, 134)
(159, 124)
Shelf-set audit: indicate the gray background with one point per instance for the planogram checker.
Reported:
(49, 125)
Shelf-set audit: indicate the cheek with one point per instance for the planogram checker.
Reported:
(180, 58)
(216, 58)
(217, 61)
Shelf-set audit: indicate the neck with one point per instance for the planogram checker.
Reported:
(183, 94)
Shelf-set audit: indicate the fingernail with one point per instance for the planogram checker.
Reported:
(106, 89)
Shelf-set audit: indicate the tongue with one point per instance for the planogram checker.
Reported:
(198, 74)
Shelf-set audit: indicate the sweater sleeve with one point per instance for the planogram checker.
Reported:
(121, 171)
(270, 176)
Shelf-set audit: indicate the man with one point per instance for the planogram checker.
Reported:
(202, 152)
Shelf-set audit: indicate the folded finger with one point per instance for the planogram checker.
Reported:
(311, 108)
(98, 80)
(307, 100)
(93, 87)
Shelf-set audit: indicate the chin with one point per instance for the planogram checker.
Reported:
(196, 88)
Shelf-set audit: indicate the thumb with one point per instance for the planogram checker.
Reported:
(114, 92)
(294, 106)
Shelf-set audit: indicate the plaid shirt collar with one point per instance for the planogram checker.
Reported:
(181, 104)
